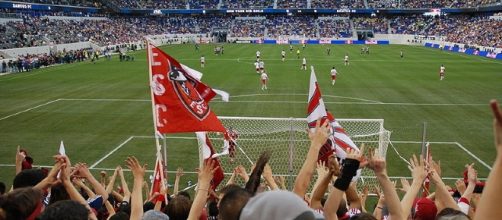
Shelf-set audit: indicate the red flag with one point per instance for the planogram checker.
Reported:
(158, 176)
(207, 154)
(338, 141)
(180, 101)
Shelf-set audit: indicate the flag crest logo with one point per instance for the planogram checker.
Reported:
(186, 92)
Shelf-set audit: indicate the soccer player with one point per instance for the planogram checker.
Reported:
(298, 53)
(283, 55)
(304, 64)
(264, 80)
(291, 48)
(303, 46)
(441, 72)
(346, 60)
(401, 54)
(333, 76)
(328, 50)
(202, 61)
(262, 66)
(258, 53)
(257, 66)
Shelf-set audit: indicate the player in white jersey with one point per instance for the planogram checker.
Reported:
(441, 72)
(283, 55)
(304, 64)
(264, 80)
(202, 61)
(333, 76)
(257, 66)
(346, 60)
(258, 54)
(262, 66)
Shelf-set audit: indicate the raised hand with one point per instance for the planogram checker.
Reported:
(205, 174)
(377, 163)
(137, 170)
(320, 134)
(460, 185)
(497, 125)
(418, 168)
(405, 185)
(472, 174)
(19, 155)
(321, 169)
(179, 172)
(334, 166)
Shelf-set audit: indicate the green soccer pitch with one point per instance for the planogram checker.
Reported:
(102, 112)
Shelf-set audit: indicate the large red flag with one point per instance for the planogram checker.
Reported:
(207, 154)
(180, 101)
(338, 141)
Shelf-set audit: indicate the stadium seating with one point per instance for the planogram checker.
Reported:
(338, 4)
(334, 28)
(248, 4)
(291, 26)
(291, 3)
(248, 28)
(85, 3)
(377, 25)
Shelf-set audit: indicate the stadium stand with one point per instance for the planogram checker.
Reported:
(291, 26)
(84, 3)
(248, 4)
(338, 4)
(334, 27)
(248, 27)
(378, 25)
(292, 4)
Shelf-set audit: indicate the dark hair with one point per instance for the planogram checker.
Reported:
(212, 208)
(342, 208)
(185, 194)
(20, 203)
(178, 208)
(148, 206)
(232, 203)
(120, 216)
(255, 177)
(2, 188)
(363, 216)
(58, 193)
(28, 177)
(449, 213)
(125, 207)
(228, 188)
(65, 210)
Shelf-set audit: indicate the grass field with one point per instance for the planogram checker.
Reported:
(98, 108)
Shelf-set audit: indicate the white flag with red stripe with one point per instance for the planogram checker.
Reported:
(339, 141)
(207, 153)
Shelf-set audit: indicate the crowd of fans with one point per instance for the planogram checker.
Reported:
(334, 28)
(291, 26)
(291, 3)
(338, 4)
(378, 25)
(248, 28)
(70, 191)
(84, 3)
(414, 24)
(39, 31)
(248, 4)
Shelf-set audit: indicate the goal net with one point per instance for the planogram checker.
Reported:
(287, 140)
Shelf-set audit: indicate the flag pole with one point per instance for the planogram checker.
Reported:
(154, 110)
(154, 114)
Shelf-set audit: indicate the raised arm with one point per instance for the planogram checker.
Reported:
(96, 185)
(19, 159)
(419, 173)
(489, 204)
(138, 173)
(109, 187)
(125, 188)
(179, 174)
(267, 175)
(317, 138)
(206, 174)
(378, 165)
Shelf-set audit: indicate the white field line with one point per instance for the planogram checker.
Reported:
(29, 109)
(286, 94)
(473, 156)
(300, 102)
(111, 152)
(192, 172)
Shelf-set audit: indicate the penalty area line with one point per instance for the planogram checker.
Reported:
(111, 152)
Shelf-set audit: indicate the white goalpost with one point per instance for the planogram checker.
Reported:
(288, 142)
